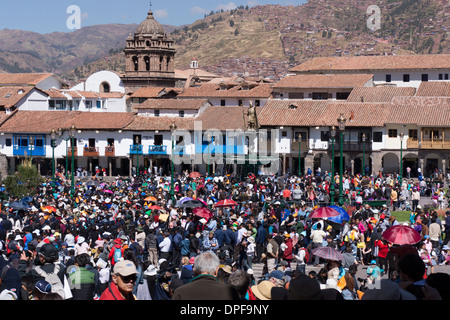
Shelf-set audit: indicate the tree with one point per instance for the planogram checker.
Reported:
(25, 181)
(236, 32)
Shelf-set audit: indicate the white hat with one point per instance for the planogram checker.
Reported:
(80, 240)
(151, 271)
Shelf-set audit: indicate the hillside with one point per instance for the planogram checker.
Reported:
(264, 40)
(268, 40)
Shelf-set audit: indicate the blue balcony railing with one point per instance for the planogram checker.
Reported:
(29, 151)
(219, 149)
(157, 149)
(136, 149)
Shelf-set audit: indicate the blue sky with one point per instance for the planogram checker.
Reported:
(47, 16)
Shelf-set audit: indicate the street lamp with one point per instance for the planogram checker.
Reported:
(137, 156)
(332, 187)
(60, 133)
(31, 148)
(72, 132)
(173, 127)
(363, 164)
(400, 176)
(53, 139)
(299, 154)
(341, 123)
(208, 136)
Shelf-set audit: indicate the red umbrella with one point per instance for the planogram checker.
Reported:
(401, 234)
(195, 174)
(203, 212)
(324, 212)
(155, 207)
(226, 203)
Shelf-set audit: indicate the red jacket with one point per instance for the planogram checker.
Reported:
(113, 293)
(287, 254)
(383, 249)
(111, 253)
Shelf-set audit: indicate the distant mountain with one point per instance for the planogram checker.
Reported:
(61, 52)
(259, 41)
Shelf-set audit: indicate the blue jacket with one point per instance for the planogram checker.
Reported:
(260, 235)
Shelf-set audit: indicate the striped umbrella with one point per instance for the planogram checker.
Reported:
(328, 253)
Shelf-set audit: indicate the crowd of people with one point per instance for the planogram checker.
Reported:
(126, 239)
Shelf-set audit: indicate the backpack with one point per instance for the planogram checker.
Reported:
(117, 254)
(53, 279)
(306, 259)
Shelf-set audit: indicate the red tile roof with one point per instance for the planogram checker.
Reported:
(423, 111)
(378, 94)
(45, 121)
(292, 112)
(31, 79)
(10, 96)
(372, 63)
(173, 104)
(147, 92)
(434, 89)
(212, 90)
(324, 81)
(141, 123)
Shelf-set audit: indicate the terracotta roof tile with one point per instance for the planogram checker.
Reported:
(358, 114)
(210, 90)
(147, 92)
(434, 89)
(174, 104)
(45, 121)
(324, 81)
(292, 112)
(55, 94)
(222, 118)
(378, 94)
(31, 79)
(371, 63)
(141, 123)
(10, 96)
(423, 111)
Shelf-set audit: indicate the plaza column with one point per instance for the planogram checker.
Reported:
(352, 163)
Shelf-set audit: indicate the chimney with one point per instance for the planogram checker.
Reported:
(352, 116)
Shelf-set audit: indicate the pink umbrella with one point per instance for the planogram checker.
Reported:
(401, 234)
(203, 212)
(226, 203)
(324, 212)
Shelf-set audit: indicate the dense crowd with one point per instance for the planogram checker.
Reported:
(127, 239)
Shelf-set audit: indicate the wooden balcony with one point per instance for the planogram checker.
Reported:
(304, 147)
(69, 152)
(412, 143)
(90, 152)
(110, 152)
(436, 144)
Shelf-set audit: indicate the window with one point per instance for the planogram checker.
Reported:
(412, 133)
(446, 76)
(158, 140)
(392, 133)
(320, 95)
(296, 95)
(257, 103)
(342, 95)
(88, 104)
(137, 139)
(181, 113)
(441, 76)
(156, 113)
(377, 136)
(99, 104)
(388, 78)
(142, 100)
(57, 104)
(324, 135)
(39, 142)
(222, 103)
(425, 77)
(300, 136)
(240, 103)
(8, 142)
(406, 78)
(284, 133)
(105, 87)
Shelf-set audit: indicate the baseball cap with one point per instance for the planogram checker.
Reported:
(125, 268)
(43, 286)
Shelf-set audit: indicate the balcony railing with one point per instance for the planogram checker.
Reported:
(69, 151)
(110, 152)
(136, 149)
(304, 147)
(29, 151)
(157, 149)
(435, 144)
(90, 152)
(412, 143)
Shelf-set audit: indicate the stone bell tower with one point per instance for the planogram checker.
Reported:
(149, 57)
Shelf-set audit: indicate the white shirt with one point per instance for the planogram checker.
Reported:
(165, 245)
